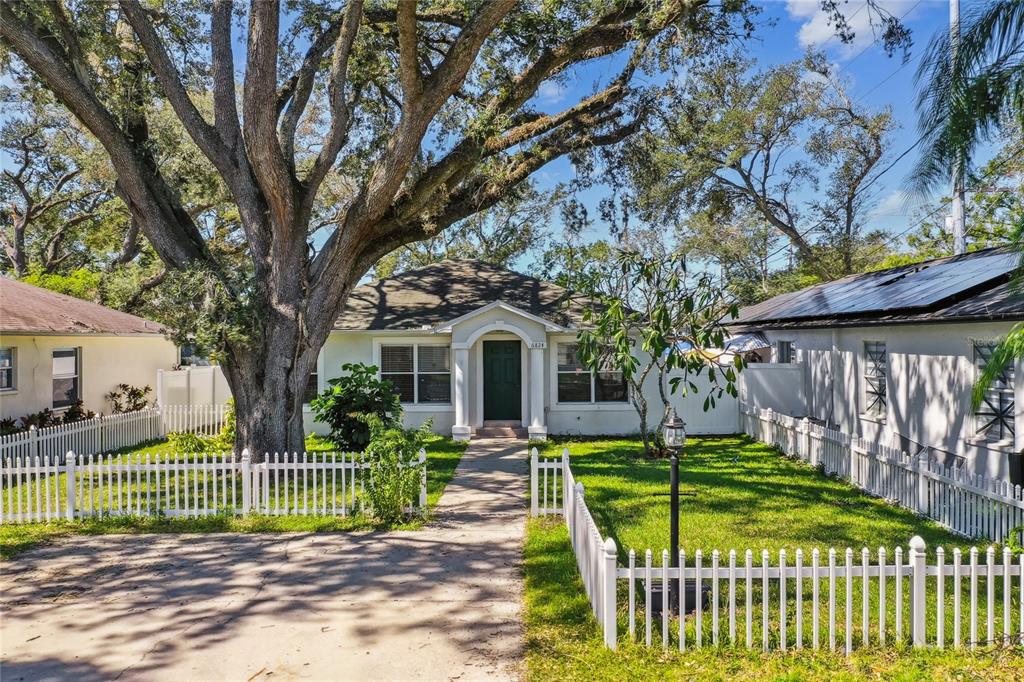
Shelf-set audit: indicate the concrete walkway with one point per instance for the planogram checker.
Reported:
(442, 603)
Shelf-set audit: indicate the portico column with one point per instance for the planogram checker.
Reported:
(538, 429)
(461, 429)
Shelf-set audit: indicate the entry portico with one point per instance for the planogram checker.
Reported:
(499, 349)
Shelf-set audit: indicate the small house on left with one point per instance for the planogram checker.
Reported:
(56, 350)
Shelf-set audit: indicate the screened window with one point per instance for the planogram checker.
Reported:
(577, 384)
(995, 416)
(420, 373)
(7, 379)
(875, 373)
(784, 351)
(66, 379)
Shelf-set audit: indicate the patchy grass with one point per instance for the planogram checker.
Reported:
(747, 496)
(443, 455)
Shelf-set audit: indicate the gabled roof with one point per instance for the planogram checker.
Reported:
(437, 294)
(970, 287)
(26, 309)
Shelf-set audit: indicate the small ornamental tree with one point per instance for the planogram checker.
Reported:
(650, 319)
(351, 399)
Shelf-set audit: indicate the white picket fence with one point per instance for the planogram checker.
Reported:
(112, 432)
(175, 485)
(968, 504)
(836, 599)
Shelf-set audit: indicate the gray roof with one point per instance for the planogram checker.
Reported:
(967, 288)
(27, 309)
(438, 293)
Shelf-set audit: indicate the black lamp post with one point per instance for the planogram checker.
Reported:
(674, 432)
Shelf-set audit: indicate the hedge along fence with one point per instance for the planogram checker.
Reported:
(112, 432)
(179, 485)
(833, 599)
(967, 504)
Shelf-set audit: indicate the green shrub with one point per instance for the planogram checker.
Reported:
(225, 440)
(352, 400)
(393, 475)
(128, 398)
(186, 443)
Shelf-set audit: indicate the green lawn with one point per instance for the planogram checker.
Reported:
(443, 457)
(748, 496)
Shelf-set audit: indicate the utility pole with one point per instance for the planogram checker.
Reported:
(956, 221)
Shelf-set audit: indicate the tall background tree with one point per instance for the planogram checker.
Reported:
(320, 148)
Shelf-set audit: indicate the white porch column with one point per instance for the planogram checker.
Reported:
(461, 429)
(538, 429)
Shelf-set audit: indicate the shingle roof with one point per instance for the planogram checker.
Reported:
(26, 309)
(440, 292)
(970, 287)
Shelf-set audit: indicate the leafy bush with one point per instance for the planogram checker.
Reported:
(187, 443)
(41, 419)
(393, 476)
(76, 413)
(9, 425)
(127, 398)
(350, 402)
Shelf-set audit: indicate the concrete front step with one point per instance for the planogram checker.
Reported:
(500, 432)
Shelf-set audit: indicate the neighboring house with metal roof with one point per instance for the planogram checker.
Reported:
(57, 349)
(473, 346)
(892, 356)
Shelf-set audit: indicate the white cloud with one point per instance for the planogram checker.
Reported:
(894, 204)
(815, 29)
(551, 92)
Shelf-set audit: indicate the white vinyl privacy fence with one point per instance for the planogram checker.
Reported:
(833, 599)
(178, 485)
(968, 504)
(113, 432)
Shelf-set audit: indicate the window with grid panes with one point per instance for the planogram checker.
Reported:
(994, 417)
(577, 384)
(875, 374)
(420, 373)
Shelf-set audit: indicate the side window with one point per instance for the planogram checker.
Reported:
(396, 366)
(8, 378)
(67, 389)
(784, 352)
(875, 374)
(994, 417)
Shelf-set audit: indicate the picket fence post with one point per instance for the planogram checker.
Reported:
(771, 429)
(33, 441)
(246, 481)
(99, 432)
(423, 479)
(565, 470)
(922, 483)
(69, 482)
(533, 481)
(609, 611)
(918, 571)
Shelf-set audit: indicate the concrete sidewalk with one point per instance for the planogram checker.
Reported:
(442, 603)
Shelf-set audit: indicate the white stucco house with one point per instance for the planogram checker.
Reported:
(57, 349)
(892, 356)
(479, 349)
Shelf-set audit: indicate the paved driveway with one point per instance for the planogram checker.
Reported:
(441, 603)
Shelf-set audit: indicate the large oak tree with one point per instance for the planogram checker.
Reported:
(396, 119)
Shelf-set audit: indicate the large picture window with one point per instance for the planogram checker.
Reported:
(421, 373)
(577, 384)
(7, 377)
(994, 416)
(875, 373)
(67, 389)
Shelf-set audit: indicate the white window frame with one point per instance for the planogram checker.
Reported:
(867, 412)
(416, 342)
(778, 353)
(321, 383)
(590, 404)
(77, 350)
(980, 439)
(13, 369)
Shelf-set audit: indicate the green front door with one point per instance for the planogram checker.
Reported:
(502, 381)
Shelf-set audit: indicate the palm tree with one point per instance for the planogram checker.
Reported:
(964, 102)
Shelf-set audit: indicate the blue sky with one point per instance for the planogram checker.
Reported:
(786, 29)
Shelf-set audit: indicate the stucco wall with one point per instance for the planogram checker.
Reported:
(930, 376)
(105, 362)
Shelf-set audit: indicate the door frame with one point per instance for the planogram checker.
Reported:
(478, 384)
